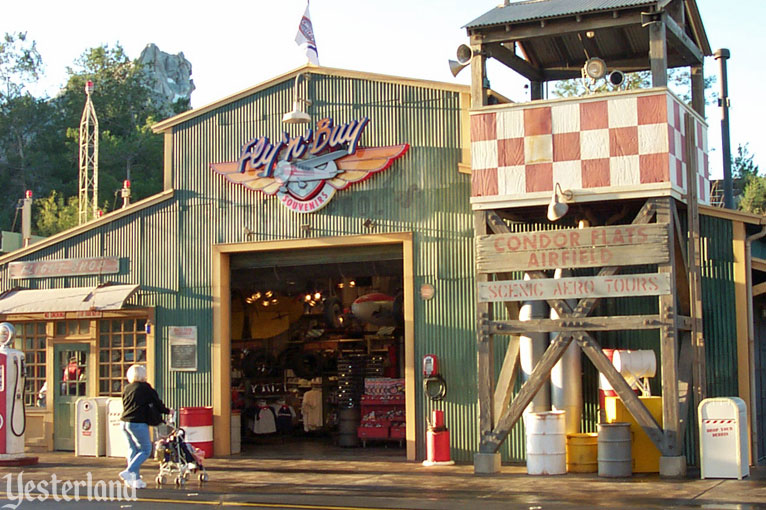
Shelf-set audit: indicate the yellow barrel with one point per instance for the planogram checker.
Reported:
(582, 453)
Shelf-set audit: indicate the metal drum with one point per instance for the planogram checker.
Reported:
(349, 418)
(546, 443)
(614, 450)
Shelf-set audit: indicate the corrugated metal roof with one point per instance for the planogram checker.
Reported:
(542, 9)
(110, 297)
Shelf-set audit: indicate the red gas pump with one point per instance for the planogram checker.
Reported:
(13, 418)
(437, 436)
(12, 415)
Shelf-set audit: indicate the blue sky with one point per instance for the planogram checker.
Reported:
(237, 44)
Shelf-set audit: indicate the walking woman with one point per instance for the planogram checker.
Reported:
(142, 407)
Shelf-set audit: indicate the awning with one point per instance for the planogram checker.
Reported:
(76, 299)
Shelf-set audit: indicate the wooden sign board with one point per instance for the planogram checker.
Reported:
(617, 245)
(651, 284)
(64, 267)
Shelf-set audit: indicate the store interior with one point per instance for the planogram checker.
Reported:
(318, 349)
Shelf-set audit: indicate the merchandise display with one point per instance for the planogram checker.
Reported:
(383, 415)
(312, 375)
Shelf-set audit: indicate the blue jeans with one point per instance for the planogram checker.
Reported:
(139, 444)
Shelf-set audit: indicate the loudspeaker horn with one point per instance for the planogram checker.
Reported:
(455, 67)
(464, 54)
(616, 78)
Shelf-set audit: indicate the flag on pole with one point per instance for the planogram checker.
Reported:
(305, 37)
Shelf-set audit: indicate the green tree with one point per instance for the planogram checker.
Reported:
(54, 213)
(743, 163)
(20, 65)
(754, 196)
(22, 120)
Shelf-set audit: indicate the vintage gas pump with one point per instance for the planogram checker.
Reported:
(437, 436)
(13, 419)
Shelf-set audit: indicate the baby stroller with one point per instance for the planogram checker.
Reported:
(178, 459)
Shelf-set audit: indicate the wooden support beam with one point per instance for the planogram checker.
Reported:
(478, 75)
(535, 90)
(636, 408)
(685, 374)
(741, 297)
(518, 64)
(698, 89)
(669, 350)
(679, 234)
(507, 378)
(694, 250)
(484, 347)
(556, 26)
(491, 442)
(574, 325)
(759, 288)
(658, 52)
(684, 41)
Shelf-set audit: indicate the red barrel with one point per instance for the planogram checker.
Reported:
(197, 422)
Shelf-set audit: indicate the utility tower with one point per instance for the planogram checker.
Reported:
(88, 159)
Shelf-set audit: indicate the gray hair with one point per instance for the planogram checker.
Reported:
(136, 373)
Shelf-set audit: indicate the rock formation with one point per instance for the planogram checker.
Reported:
(169, 75)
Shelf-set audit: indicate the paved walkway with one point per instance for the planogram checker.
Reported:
(390, 482)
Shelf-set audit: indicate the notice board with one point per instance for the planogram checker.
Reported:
(183, 348)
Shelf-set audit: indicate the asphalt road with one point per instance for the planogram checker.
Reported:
(184, 499)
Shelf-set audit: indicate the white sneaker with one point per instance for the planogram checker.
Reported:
(127, 476)
(138, 484)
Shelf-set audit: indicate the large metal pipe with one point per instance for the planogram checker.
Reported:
(531, 349)
(566, 376)
(722, 55)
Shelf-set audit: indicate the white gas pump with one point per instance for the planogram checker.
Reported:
(13, 419)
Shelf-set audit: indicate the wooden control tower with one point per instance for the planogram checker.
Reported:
(631, 166)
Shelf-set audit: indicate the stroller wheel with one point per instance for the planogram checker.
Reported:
(203, 477)
(187, 475)
(161, 480)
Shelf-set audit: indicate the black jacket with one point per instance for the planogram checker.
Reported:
(136, 400)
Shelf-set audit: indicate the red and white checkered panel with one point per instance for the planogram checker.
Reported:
(615, 141)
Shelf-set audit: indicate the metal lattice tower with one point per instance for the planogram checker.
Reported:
(88, 159)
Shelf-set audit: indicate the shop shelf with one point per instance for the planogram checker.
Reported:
(372, 432)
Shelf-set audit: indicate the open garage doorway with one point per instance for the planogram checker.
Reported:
(319, 346)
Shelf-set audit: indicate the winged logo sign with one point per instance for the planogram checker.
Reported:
(305, 172)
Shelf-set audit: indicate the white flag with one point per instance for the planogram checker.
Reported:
(305, 37)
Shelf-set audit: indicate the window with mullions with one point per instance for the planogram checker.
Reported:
(121, 343)
(30, 338)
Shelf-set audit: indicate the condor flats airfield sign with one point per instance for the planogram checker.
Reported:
(305, 172)
(617, 245)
